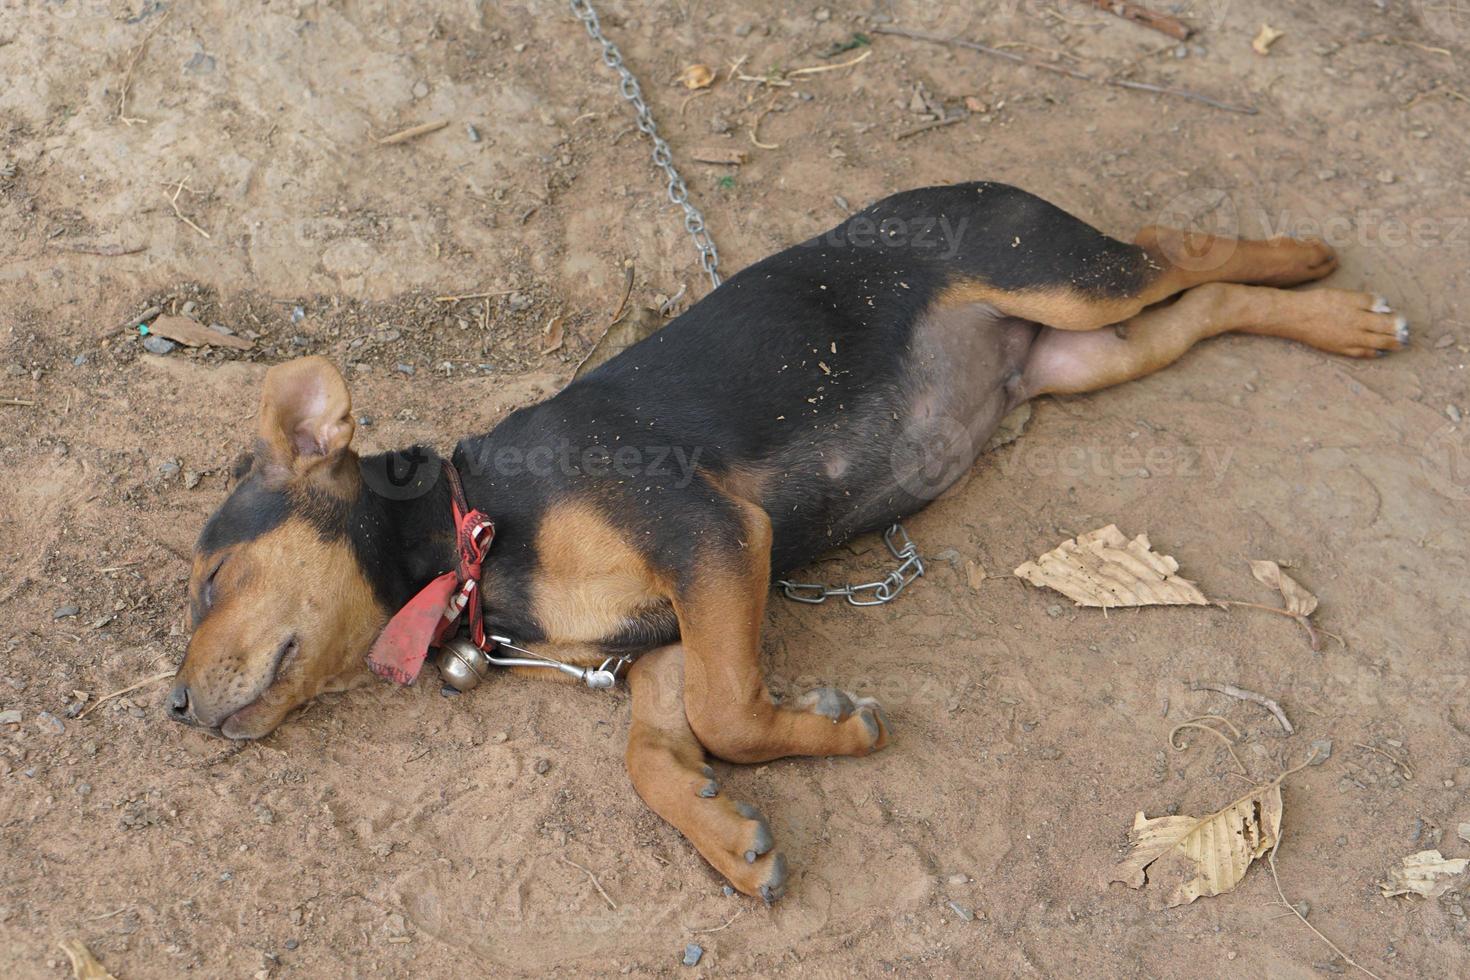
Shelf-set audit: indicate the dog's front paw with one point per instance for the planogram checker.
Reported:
(845, 708)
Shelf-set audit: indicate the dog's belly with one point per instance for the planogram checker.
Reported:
(903, 446)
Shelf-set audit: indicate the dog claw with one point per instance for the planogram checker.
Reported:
(708, 771)
(763, 842)
(829, 702)
(710, 790)
(775, 885)
(1380, 305)
(1401, 329)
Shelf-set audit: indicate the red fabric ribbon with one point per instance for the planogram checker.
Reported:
(399, 652)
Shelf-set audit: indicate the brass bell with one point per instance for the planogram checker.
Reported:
(462, 664)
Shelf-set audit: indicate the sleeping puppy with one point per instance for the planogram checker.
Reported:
(826, 391)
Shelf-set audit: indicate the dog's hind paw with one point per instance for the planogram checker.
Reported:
(841, 706)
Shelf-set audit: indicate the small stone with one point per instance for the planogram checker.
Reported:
(291, 944)
(543, 766)
(499, 737)
(1464, 831)
(743, 30)
(958, 879)
(365, 420)
(169, 469)
(729, 890)
(79, 360)
(719, 125)
(420, 89)
(823, 15)
(10, 716)
(158, 345)
(692, 953)
(191, 479)
(220, 328)
(1385, 176)
(51, 723)
(1326, 174)
(84, 789)
(1454, 413)
(1448, 340)
(472, 133)
(1320, 750)
(403, 368)
(297, 314)
(67, 611)
(1054, 610)
(963, 911)
(519, 301)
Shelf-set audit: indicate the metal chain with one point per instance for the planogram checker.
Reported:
(709, 257)
(911, 566)
(885, 590)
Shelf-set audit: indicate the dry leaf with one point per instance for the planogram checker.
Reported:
(1104, 569)
(84, 966)
(975, 574)
(181, 329)
(1267, 37)
(1186, 857)
(553, 336)
(1426, 873)
(640, 323)
(697, 77)
(1010, 428)
(1299, 602)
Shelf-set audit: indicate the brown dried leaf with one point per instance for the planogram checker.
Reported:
(1104, 569)
(553, 336)
(1427, 873)
(1186, 857)
(1299, 602)
(1267, 36)
(84, 966)
(697, 77)
(975, 574)
(183, 330)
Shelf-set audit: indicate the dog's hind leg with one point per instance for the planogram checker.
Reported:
(1335, 320)
(667, 765)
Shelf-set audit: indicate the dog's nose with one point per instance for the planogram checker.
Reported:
(177, 704)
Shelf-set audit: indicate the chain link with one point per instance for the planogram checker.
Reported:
(878, 593)
(709, 257)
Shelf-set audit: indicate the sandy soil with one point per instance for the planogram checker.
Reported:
(391, 833)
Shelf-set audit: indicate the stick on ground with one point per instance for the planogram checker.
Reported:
(1172, 26)
(1242, 694)
(1069, 72)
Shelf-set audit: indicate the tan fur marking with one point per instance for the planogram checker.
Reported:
(590, 579)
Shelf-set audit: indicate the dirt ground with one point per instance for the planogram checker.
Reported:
(233, 164)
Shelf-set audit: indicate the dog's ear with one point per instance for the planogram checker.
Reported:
(305, 425)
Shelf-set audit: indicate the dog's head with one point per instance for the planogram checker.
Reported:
(281, 606)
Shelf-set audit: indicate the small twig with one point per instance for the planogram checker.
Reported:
(122, 98)
(593, 878)
(127, 690)
(932, 124)
(1271, 863)
(1405, 770)
(1163, 23)
(174, 200)
(413, 132)
(18, 402)
(627, 291)
(1195, 724)
(821, 68)
(132, 322)
(457, 298)
(1306, 623)
(1242, 694)
(87, 248)
(1069, 72)
(726, 925)
(756, 126)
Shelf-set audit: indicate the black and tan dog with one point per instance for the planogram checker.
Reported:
(823, 392)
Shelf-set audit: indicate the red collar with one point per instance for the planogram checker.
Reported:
(429, 617)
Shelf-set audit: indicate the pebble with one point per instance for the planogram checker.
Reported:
(958, 879)
(191, 479)
(291, 944)
(84, 789)
(743, 30)
(1447, 340)
(420, 89)
(169, 469)
(963, 911)
(67, 611)
(365, 420)
(1054, 610)
(221, 328)
(472, 133)
(543, 766)
(729, 890)
(158, 345)
(10, 716)
(519, 301)
(79, 360)
(692, 954)
(51, 723)
(1464, 831)
(1453, 412)
(403, 368)
(719, 125)
(297, 314)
